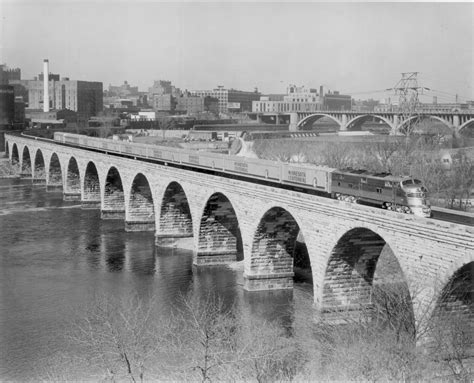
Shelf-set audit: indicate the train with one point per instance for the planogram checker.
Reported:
(403, 194)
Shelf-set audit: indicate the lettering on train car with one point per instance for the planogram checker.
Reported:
(105, 146)
(157, 153)
(241, 167)
(128, 148)
(297, 176)
(194, 159)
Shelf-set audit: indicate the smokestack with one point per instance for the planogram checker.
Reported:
(321, 91)
(435, 100)
(46, 85)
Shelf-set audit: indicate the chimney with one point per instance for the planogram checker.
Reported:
(435, 100)
(46, 85)
(321, 91)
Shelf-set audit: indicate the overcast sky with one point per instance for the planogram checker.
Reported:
(351, 47)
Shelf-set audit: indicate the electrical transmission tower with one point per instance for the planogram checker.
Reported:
(408, 103)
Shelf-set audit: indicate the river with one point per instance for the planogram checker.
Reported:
(56, 258)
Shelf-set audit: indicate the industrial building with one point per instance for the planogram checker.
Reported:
(83, 97)
(231, 100)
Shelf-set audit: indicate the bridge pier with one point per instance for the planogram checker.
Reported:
(72, 196)
(132, 226)
(271, 281)
(293, 122)
(38, 181)
(112, 214)
(90, 204)
(54, 188)
(217, 257)
(170, 239)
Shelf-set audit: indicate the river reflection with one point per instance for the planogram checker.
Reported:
(56, 258)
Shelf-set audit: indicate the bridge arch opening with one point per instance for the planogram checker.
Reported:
(114, 197)
(364, 278)
(425, 124)
(141, 210)
(73, 180)
(452, 322)
(7, 149)
(321, 122)
(279, 255)
(370, 122)
(26, 168)
(55, 173)
(220, 240)
(91, 196)
(175, 216)
(467, 129)
(15, 155)
(40, 167)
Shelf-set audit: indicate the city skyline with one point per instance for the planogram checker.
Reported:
(358, 47)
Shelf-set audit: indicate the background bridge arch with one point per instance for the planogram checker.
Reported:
(467, 129)
(401, 128)
(357, 122)
(309, 120)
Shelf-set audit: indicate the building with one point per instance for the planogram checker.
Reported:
(163, 103)
(336, 101)
(190, 104)
(122, 91)
(266, 106)
(301, 94)
(230, 100)
(85, 97)
(7, 74)
(296, 99)
(7, 105)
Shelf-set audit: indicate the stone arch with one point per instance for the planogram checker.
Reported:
(351, 273)
(452, 321)
(39, 172)
(91, 195)
(358, 121)
(15, 156)
(309, 120)
(73, 181)
(272, 252)
(114, 196)
(26, 168)
(467, 129)
(140, 215)
(55, 177)
(418, 118)
(219, 236)
(175, 220)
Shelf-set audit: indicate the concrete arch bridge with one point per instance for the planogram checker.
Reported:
(458, 122)
(230, 219)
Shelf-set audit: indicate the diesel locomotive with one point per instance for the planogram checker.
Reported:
(402, 194)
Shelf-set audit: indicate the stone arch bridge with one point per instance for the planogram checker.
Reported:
(227, 217)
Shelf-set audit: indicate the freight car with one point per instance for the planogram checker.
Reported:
(402, 194)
